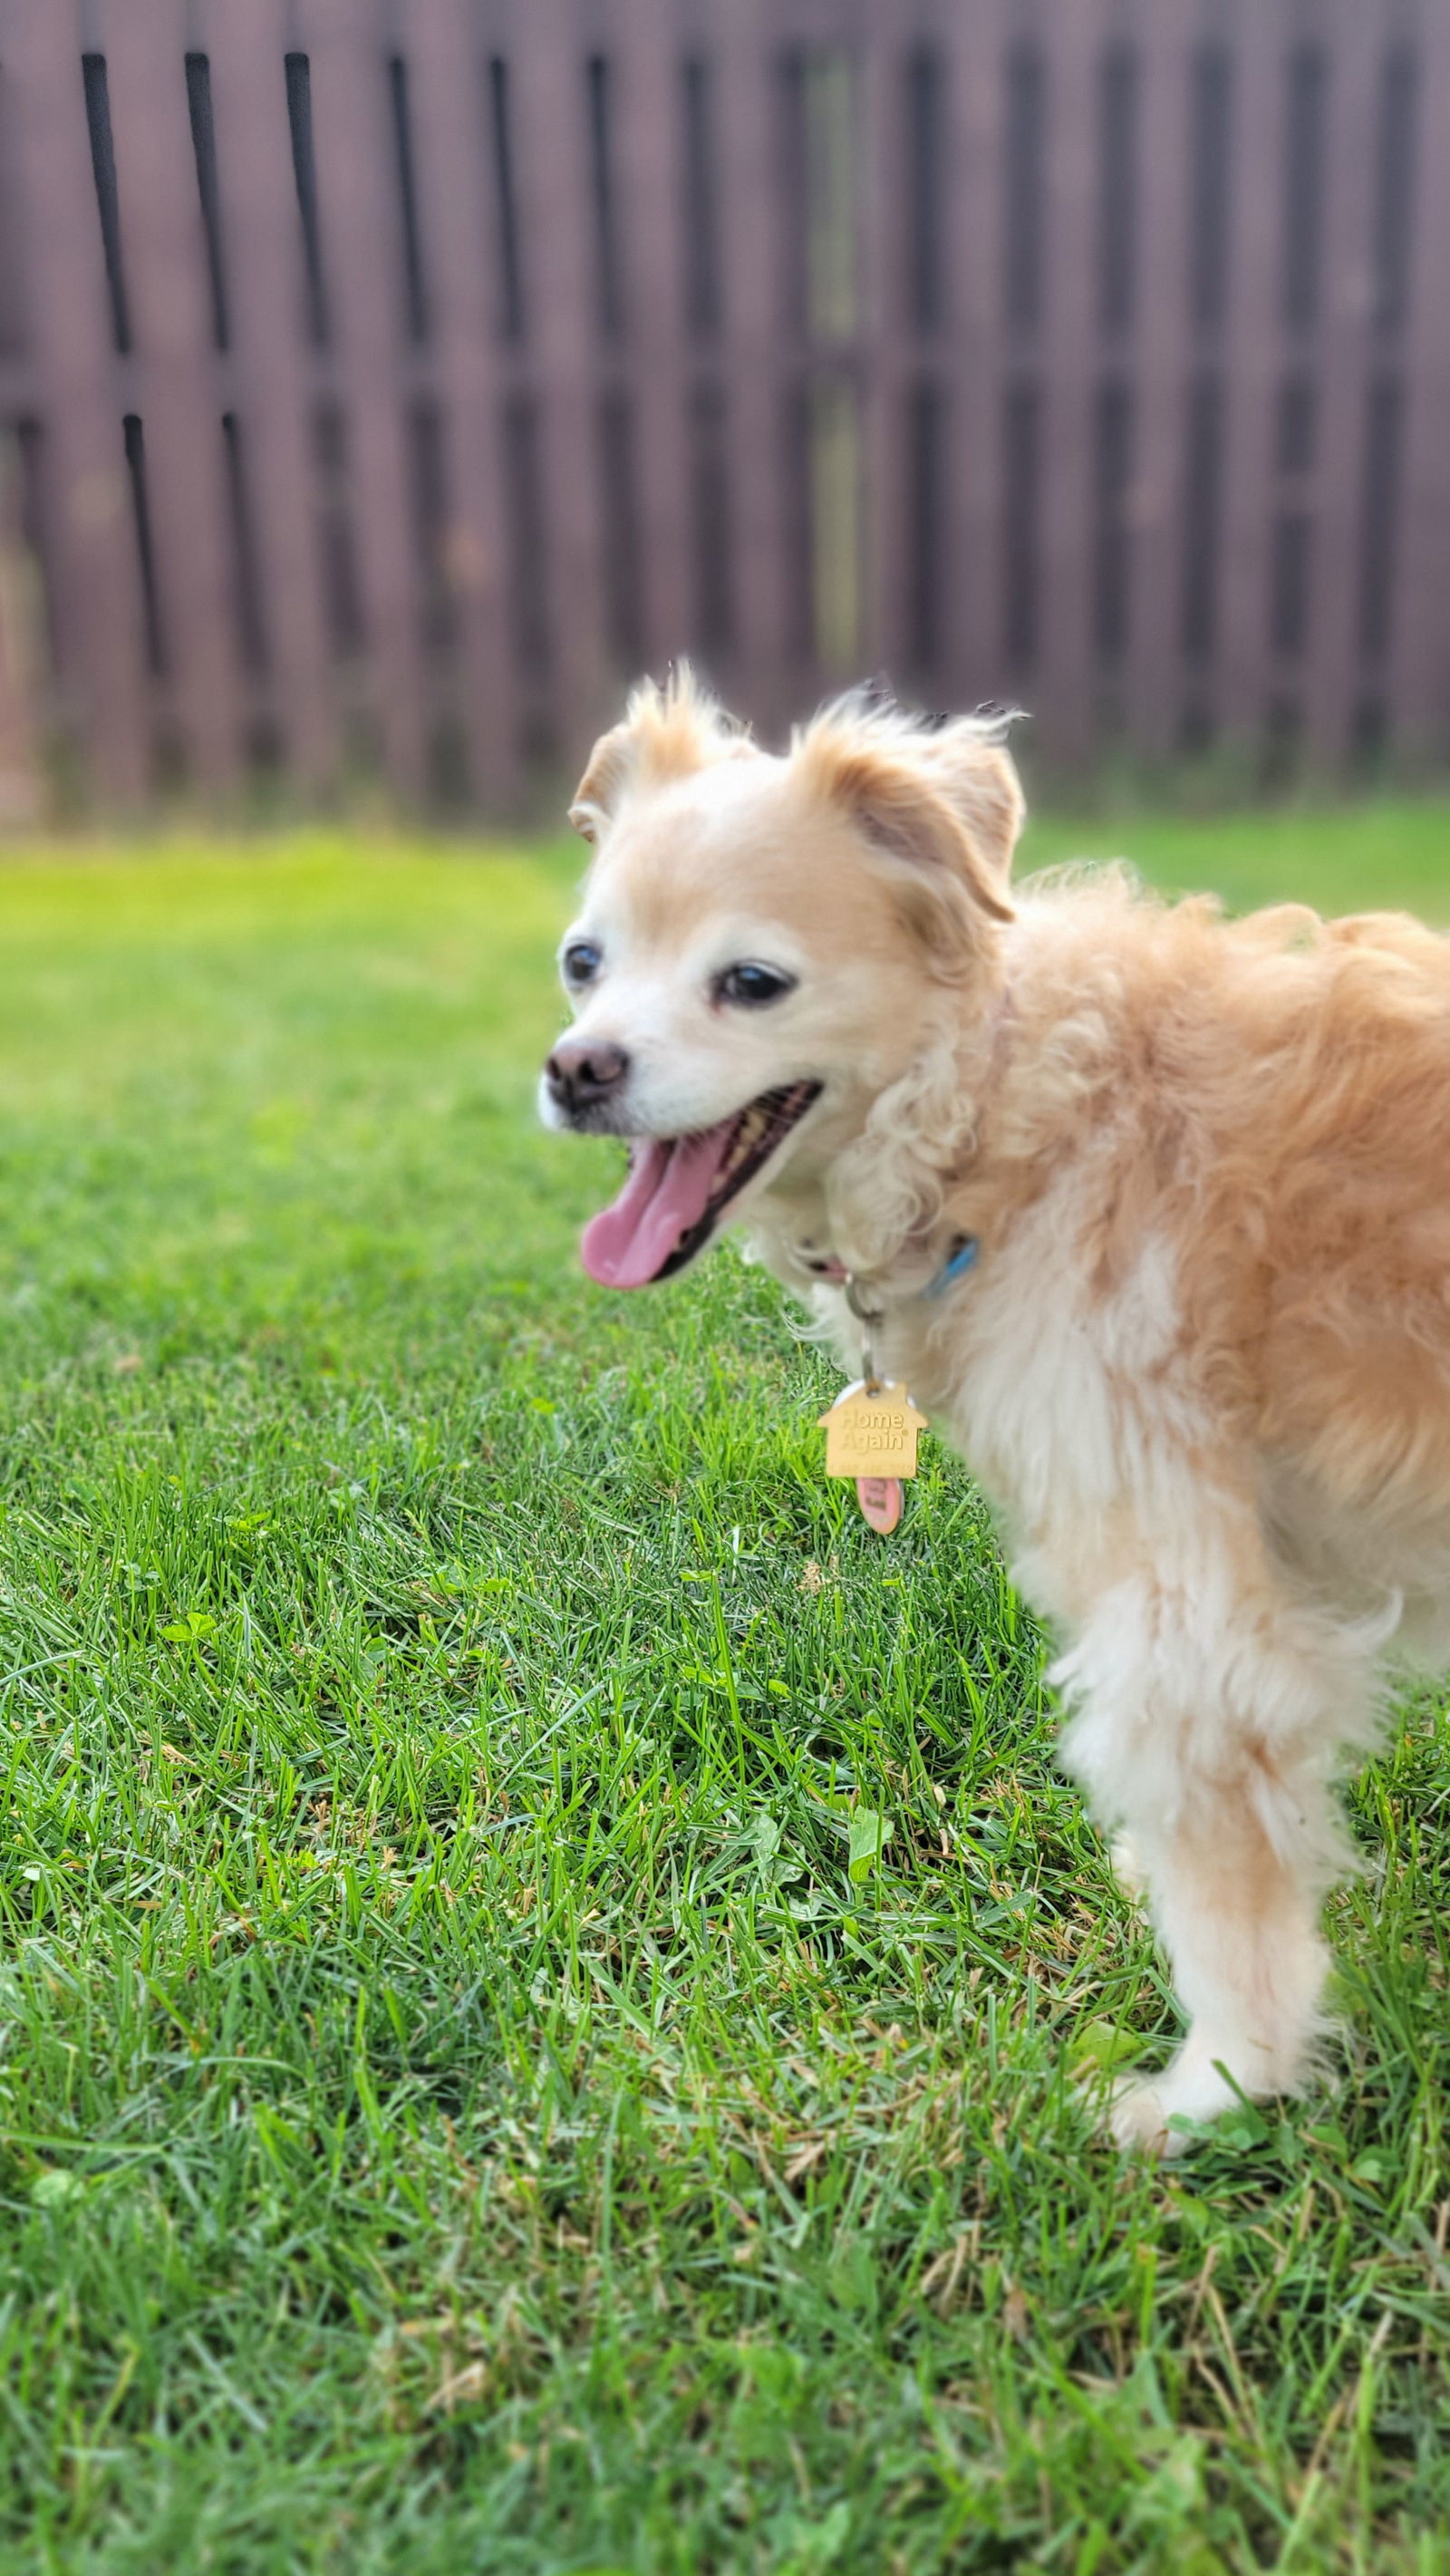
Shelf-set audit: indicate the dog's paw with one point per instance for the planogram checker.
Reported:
(1148, 2113)
(1138, 2113)
(1131, 2109)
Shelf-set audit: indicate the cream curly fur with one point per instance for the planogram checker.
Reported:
(1202, 1366)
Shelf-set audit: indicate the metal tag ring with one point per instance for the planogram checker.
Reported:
(863, 1314)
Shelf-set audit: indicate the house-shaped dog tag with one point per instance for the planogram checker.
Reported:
(872, 1431)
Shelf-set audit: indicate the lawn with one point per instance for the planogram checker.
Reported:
(464, 2105)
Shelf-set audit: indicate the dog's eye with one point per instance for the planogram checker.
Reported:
(753, 985)
(580, 962)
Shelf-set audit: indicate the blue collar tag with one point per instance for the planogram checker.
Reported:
(956, 1265)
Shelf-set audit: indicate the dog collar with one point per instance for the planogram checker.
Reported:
(960, 1259)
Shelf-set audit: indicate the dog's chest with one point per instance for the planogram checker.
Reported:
(1045, 1381)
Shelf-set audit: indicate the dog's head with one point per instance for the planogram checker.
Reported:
(763, 946)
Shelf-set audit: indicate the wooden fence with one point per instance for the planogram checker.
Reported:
(385, 381)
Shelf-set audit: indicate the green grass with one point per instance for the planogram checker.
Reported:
(462, 2109)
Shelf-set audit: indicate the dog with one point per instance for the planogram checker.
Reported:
(1200, 1362)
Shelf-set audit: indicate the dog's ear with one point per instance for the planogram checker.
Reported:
(972, 768)
(946, 804)
(667, 732)
(598, 791)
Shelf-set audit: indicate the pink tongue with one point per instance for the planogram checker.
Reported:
(665, 1194)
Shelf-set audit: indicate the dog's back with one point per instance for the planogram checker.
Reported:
(1279, 1089)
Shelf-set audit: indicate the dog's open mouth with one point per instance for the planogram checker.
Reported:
(680, 1186)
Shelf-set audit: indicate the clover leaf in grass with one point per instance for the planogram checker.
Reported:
(1103, 2044)
(766, 1840)
(190, 1629)
(54, 2185)
(870, 1833)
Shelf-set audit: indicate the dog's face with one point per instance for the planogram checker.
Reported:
(761, 950)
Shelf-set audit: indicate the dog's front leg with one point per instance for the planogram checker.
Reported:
(1236, 1904)
(1208, 1707)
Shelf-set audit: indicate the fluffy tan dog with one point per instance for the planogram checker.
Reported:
(1202, 1362)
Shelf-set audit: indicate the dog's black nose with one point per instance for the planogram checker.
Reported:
(584, 1071)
